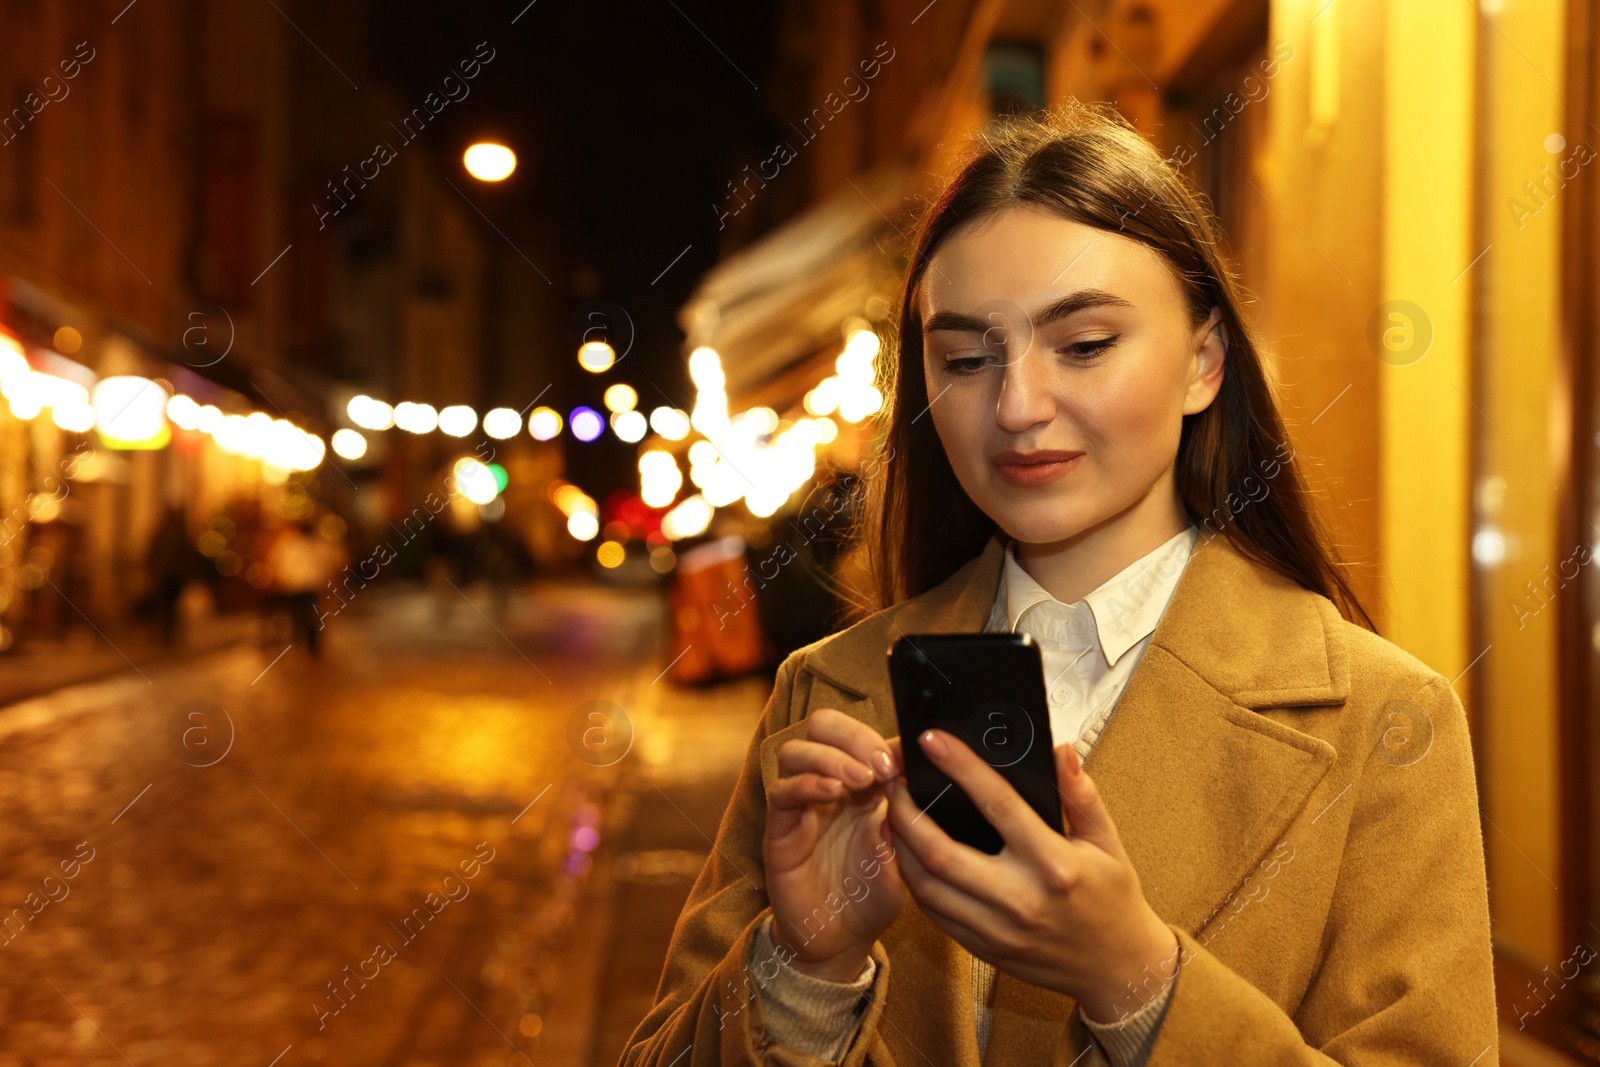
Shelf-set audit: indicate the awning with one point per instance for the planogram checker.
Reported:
(784, 298)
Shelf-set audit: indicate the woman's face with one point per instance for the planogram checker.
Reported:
(1041, 334)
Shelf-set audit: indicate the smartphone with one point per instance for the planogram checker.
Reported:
(988, 690)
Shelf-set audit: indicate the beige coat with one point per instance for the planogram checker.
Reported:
(1296, 793)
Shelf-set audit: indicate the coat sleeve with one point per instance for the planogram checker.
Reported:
(1406, 974)
(706, 1011)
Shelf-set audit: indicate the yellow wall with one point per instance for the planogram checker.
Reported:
(1427, 243)
(1519, 290)
(1374, 196)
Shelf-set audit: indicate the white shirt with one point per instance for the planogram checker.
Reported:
(1091, 646)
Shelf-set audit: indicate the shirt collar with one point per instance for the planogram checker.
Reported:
(1126, 607)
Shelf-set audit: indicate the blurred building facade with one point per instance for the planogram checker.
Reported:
(1406, 190)
(179, 203)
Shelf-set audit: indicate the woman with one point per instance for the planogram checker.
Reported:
(1273, 852)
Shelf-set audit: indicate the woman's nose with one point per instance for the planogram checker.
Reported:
(1026, 396)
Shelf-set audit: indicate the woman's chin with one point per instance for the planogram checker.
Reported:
(1039, 525)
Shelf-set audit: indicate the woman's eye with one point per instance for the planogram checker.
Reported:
(1086, 350)
(965, 365)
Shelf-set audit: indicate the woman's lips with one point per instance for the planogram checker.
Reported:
(1034, 473)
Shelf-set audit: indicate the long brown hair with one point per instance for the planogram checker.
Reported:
(1087, 163)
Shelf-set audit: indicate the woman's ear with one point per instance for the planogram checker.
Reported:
(1210, 358)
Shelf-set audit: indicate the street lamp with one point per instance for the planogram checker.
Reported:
(490, 162)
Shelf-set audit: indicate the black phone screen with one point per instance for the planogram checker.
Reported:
(988, 690)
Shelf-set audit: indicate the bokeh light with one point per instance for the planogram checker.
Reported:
(370, 414)
(596, 357)
(586, 423)
(621, 397)
(475, 480)
(629, 425)
(502, 423)
(488, 161)
(583, 525)
(129, 408)
(670, 423)
(349, 444)
(544, 423)
(458, 420)
(415, 418)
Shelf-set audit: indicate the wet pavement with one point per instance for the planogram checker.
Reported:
(422, 848)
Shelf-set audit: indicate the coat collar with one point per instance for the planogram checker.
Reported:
(1276, 645)
(1201, 785)
(1125, 607)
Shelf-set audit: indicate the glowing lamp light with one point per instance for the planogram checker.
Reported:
(859, 402)
(370, 414)
(705, 368)
(54, 392)
(75, 417)
(659, 478)
(586, 423)
(349, 444)
(689, 519)
(863, 345)
(824, 399)
(502, 423)
(710, 414)
(489, 162)
(286, 446)
(670, 423)
(130, 410)
(183, 412)
(596, 357)
(458, 420)
(570, 499)
(610, 554)
(544, 423)
(475, 480)
(24, 407)
(629, 425)
(415, 418)
(501, 478)
(583, 525)
(209, 419)
(621, 397)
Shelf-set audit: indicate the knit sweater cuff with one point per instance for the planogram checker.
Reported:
(1127, 1041)
(813, 1015)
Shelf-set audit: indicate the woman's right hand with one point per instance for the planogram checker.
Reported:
(827, 835)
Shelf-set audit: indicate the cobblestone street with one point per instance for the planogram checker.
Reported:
(392, 855)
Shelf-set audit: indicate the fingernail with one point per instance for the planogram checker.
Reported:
(862, 777)
(932, 744)
(883, 765)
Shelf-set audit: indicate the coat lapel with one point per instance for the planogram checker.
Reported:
(1200, 784)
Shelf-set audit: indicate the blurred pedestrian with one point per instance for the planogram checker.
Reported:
(170, 562)
(302, 563)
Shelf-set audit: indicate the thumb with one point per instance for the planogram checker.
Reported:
(1082, 810)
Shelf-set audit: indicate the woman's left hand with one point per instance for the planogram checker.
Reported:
(1065, 913)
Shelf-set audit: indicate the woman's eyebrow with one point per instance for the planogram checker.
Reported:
(1059, 309)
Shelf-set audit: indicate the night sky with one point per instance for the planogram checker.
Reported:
(627, 122)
